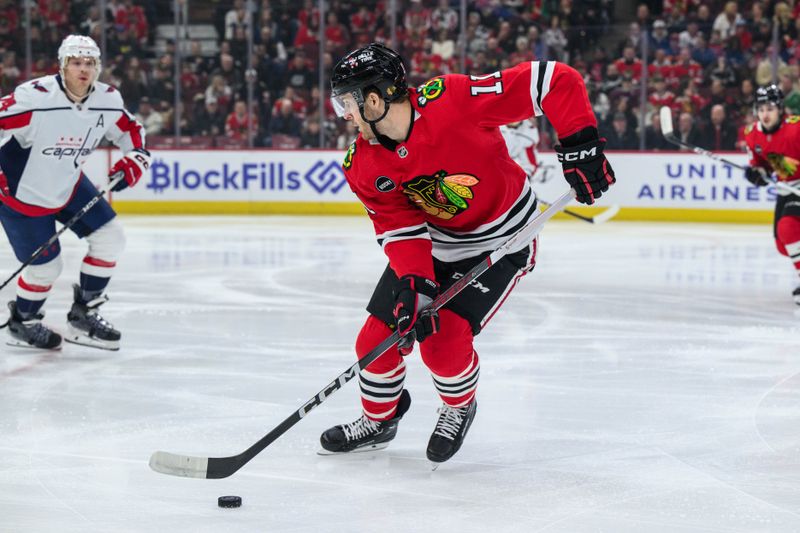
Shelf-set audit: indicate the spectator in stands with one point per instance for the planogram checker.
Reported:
(719, 136)
(235, 18)
(702, 54)
(723, 72)
(210, 120)
(417, 21)
(687, 132)
(309, 138)
(347, 136)
(362, 23)
(133, 85)
(240, 121)
(660, 96)
(286, 122)
(653, 137)
(704, 19)
(444, 46)
(659, 38)
(299, 74)
(151, 119)
(336, 35)
(230, 73)
(620, 137)
(725, 23)
(444, 17)
(791, 100)
(161, 87)
(219, 91)
(629, 64)
(555, 40)
(688, 37)
(764, 68)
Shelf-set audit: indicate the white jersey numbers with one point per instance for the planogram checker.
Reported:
(477, 90)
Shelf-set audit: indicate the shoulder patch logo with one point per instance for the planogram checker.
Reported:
(7, 101)
(39, 87)
(110, 89)
(748, 129)
(348, 157)
(441, 195)
(430, 91)
(385, 184)
(793, 119)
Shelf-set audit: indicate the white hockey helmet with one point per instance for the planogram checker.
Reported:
(79, 46)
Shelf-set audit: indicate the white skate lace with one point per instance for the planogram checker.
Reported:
(98, 322)
(450, 419)
(360, 428)
(38, 332)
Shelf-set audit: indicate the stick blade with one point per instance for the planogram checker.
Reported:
(606, 215)
(666, 121)
(179, 465)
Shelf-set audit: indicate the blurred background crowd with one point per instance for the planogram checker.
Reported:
(241, 73)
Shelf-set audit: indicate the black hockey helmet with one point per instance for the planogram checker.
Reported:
(374, 67)
(769, 94)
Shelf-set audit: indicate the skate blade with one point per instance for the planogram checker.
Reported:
(19, 344)
(76, 336)
(370, 448)
(434, 466)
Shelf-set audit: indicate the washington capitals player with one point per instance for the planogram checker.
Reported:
(433, 172)
(773, 144)
(50, 126)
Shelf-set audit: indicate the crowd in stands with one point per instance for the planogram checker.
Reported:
(703, 59)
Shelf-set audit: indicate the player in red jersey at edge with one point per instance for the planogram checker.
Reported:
(773, 143)
(435, 176)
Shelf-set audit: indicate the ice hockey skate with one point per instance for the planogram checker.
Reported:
(451, 428)
(87, 327)
(30, 333)
(796, 295)
(364, 434)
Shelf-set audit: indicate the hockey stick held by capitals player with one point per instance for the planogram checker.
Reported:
(113, 180)
(669, 134)
(222, 467)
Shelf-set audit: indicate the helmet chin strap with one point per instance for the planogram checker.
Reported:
(774, 128)
(386, 142)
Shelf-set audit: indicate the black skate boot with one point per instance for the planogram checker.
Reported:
(364, 435)
(30, 333)
(450, 431)
(87, 327)
(796, 295)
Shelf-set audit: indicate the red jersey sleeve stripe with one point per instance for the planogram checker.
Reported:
(132, 128)
(16, 121)
(541, 76)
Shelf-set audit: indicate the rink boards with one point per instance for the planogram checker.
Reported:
(666, 186)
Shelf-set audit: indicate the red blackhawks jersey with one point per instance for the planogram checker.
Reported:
(778, 152)
(451, 190)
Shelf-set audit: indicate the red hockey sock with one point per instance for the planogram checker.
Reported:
(382, 381)
(788, 239)
(452, 360)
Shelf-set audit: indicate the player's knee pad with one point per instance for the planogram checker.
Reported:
(449, 351)
(373, 332)
(107, 242)
(788, 235)
(42, 275)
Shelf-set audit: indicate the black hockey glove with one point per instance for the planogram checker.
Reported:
(757, 176)
(586, 169)
(411, 295)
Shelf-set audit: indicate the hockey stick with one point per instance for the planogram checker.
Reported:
(222, 467)
(669, 135)
(68, 224)
(603, 216)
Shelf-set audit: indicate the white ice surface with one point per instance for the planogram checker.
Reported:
(646, 377)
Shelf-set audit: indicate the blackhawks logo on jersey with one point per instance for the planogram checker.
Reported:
(441, 195)
(430, 91)
(785, 167)
(348, 157)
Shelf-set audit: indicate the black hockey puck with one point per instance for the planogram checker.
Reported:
(229, 501)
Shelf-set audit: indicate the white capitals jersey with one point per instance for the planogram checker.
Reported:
(46, 137)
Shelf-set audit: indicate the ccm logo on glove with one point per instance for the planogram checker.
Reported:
(132, 166)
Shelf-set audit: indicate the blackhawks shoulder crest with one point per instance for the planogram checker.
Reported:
(348, 157)
(441, 195)
(430, 91)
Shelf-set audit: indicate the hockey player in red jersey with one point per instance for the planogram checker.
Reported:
(435, 177)
(773, 143)
(50, 125)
